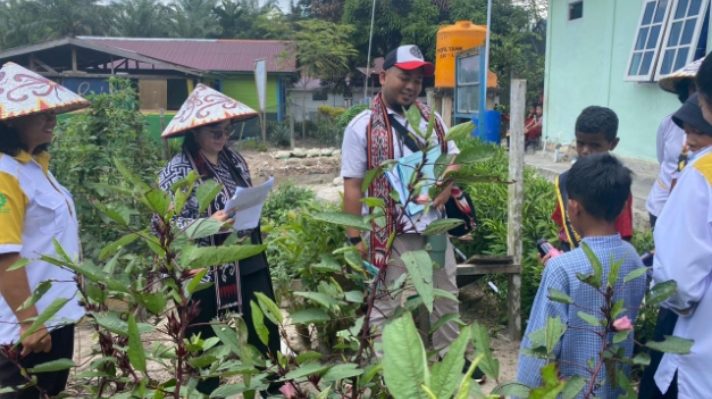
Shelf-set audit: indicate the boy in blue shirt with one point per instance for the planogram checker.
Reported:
(598, 186)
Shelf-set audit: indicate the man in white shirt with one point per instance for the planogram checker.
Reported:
(369, 139)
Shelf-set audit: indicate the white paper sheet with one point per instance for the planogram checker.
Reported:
(246, 204)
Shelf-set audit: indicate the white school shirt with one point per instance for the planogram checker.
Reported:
(354, 163)
(683, 252)
(670, 140)
(35, 210)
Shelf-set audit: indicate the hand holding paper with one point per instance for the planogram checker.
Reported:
(245, 206)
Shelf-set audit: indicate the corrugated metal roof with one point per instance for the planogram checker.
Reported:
(215, 55)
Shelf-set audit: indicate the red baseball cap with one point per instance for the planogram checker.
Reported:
(408, 57)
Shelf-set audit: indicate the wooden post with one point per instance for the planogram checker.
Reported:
(74, 59)
(447, 109)
(515, 200)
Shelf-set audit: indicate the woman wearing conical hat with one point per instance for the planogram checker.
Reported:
(34, 210)
(204, 120)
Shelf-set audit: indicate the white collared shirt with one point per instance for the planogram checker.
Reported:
(354, 162)
(683, 252)
(35, 209)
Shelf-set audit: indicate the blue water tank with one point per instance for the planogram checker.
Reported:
(489, 130)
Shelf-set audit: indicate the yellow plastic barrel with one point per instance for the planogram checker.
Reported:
(451, 39)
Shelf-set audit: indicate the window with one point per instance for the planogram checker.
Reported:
(320, 95)
(575, 10)
(667, 38)
(682, 40)
(468, 85)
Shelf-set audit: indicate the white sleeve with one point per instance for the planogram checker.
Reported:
(353, 149)
(451, 146)
(683, 242)
(661, 138)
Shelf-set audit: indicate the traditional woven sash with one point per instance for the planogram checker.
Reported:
(379, 143)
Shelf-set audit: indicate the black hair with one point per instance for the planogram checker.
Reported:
(704, 78)
(10, 142)
(594, 119)
(682, 89)
(190, 145)
(601, 184)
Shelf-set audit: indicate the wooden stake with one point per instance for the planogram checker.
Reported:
(515, 200)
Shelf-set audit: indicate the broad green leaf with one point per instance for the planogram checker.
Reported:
(154, 302)
(595, 264)
(19, 264)
(113, 214)
(341, 372)
(460, 131)
(589, 318)
(463, 391)
(51, 366)
(203, 227)
(136, 353)
(306, 370)
(111, 248)
(473, 154)
(512, 389)
(318, 297)
(270, 309)
(236, 390)
(413, 118)
(660, 292)
(113, 323)
(353, 296)
(129, 176)
(373, 202)
(370, 176)
(617, 309)
(613, 273)
(481, 342)
(309, 357)
(228, 337)
(671, 344)
(552, 385)
(642, 358)
(573, 386)
(41, 289)
(558, 296)
(454, 317)
(620, 336)
(420, 270)
(206, 192)
(194, 282)
(195, 257)
(46, 314)
(61, 253)
(343, 219)
(157, 201)
(309, 315)
(258, 321)
(634, 274)
(442, 226)
(404, 363)
(447, 374)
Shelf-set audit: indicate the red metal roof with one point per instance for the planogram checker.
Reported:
(214, 55)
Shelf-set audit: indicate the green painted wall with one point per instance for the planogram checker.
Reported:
(586, 60)
(242, 88)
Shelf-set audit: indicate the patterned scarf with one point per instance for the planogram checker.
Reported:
(379, 148)
(230, 172)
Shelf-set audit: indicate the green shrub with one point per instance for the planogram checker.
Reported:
(349, 114)
(83, 154)
(279, 134)
(490, 200)
(286, 198)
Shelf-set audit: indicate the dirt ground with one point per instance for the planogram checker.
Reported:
(319, 174)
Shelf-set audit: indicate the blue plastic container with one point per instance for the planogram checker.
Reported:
(489, 130)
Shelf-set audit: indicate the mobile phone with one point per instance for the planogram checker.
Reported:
(545, 248)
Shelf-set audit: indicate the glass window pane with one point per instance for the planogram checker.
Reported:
(669, 57)
(642, 37)
(647, 62)
(648, 14)
(467, 99)
(681, 58)
(469, 70)
(694, 7)
(660, 11)
(681, 10)
(634, 64)
(687, 32)
(674, 37)
(653, 37)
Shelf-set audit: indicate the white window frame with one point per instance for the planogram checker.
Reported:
(704, 10)
(656, 50)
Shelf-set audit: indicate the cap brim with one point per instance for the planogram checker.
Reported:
(691, 114)
(428, 68)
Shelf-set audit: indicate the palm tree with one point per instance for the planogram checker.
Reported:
(141, 18)
(194, 19)
(69, 18)
(20, 25)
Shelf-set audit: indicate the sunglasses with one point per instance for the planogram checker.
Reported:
(218, 132)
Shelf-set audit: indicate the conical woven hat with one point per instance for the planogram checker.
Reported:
(689, 71)
(203, 107)
(23, 92)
